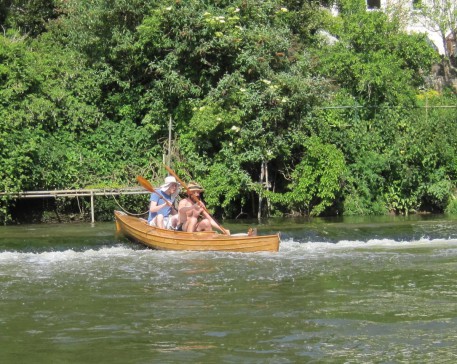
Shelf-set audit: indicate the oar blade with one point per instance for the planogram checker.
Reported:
(145, 183)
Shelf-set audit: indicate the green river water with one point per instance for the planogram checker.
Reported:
(380, 290)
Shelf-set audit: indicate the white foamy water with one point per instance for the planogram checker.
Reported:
(287, 248)
(386, 244)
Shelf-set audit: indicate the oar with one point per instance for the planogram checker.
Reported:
(147, 185)
(195, 198)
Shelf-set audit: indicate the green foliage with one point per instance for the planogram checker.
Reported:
(87, 89)
(226, 187)
(360, 203)
(441, 16)
(316, 181)
(374, 59)
(399, 200)
(451, 208)
(439, 192)
(28, 16)
(41, 93)
(365, 182)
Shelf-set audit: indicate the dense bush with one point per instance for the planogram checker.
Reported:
(270, 114)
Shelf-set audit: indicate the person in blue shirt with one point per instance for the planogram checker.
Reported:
(162, 214)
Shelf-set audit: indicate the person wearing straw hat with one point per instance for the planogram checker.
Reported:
(161, 211)
(189, 212)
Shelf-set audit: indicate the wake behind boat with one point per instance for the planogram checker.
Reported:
(164, 239)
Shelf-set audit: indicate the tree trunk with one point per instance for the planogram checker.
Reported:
(264, 209)
(262, 176)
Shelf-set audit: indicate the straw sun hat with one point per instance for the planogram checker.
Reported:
(195, 187)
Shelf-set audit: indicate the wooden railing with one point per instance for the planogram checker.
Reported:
(78, 193)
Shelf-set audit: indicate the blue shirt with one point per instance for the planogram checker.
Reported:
(166, 210)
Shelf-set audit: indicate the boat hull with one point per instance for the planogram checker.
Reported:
(163, 239)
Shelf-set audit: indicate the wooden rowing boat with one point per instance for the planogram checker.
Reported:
(163, 239)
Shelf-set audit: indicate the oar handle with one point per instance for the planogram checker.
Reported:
(145, 183)
(195, 198)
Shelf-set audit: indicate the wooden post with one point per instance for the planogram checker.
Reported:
(426, 106)
(92, 205)
(169, 141)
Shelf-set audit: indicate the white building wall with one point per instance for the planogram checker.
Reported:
(411, 24)
(415, 25)
(435, 37)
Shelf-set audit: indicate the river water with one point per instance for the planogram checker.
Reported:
(379, 290)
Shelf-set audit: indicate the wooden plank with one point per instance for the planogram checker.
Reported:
(75, 193)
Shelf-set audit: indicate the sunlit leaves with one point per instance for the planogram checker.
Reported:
(327, 104)
(316, 180)
(375, 59)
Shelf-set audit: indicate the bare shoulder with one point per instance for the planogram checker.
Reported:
(186, 202)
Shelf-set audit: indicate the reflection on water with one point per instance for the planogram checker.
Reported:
(352, 291)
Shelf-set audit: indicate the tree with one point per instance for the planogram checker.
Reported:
(316, 181)
(440, 16)
(43, 90)
(374, 59)
(266, 116)
(30, 17)
(237, 80)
